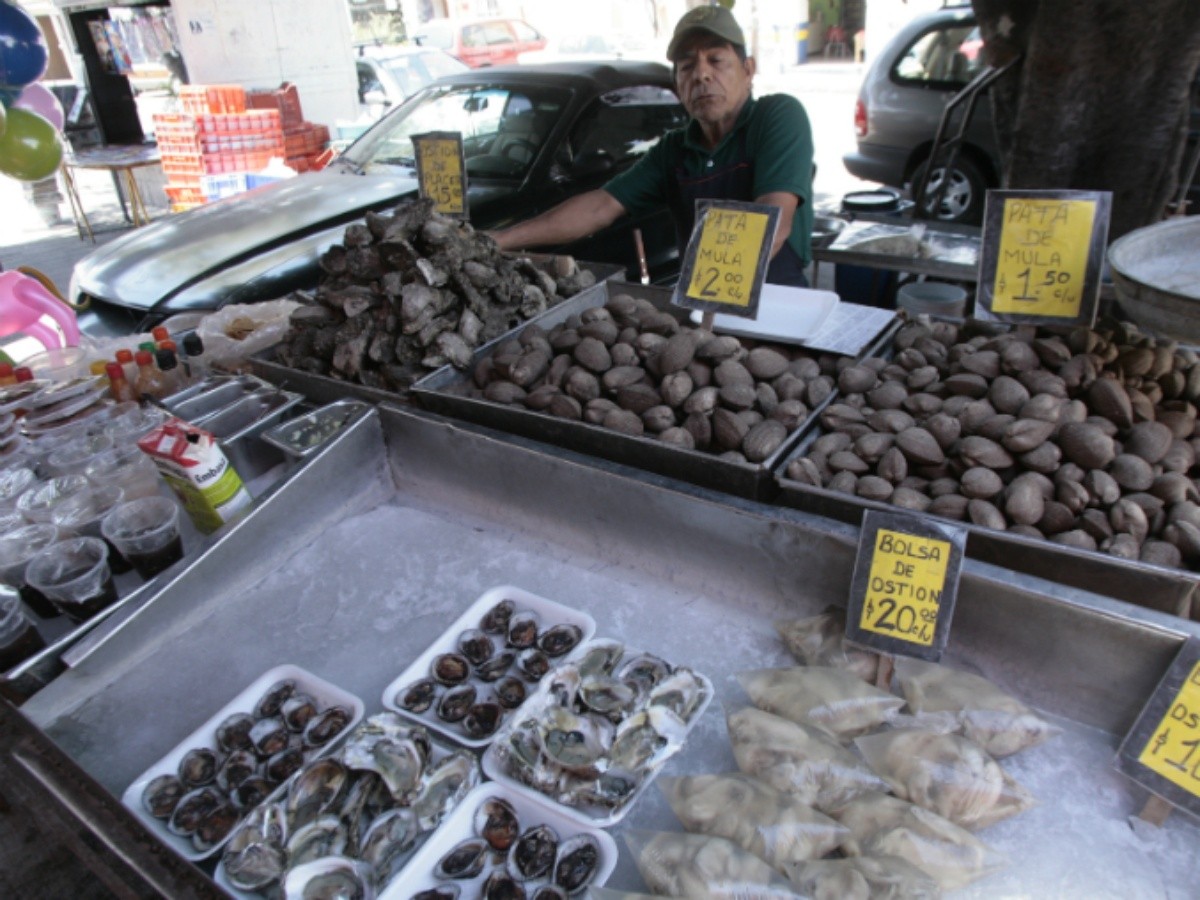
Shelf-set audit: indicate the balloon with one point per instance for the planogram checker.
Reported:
(40, 100)
(23, 54)
(3, 120)
(30, 148)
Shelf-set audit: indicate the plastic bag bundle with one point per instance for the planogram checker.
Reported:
(882, 825)
(1000, 724)
(863, 878)
(821, 641)
(601, 893)
(676, 864)
(773, 826)
(832, 699)
(800, 760)
(947, 774)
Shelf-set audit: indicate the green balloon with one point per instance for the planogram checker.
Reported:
(30, 148)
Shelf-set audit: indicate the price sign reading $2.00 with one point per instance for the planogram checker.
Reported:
(441, 172)
(905, 584)
(726, 260)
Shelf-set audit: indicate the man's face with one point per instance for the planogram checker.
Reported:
(712, 81)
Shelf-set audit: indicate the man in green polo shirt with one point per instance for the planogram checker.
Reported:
(735, 147)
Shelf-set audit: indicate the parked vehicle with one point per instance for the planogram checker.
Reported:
(482, 42)
(596, 46)
(387, 76)
(532, 136)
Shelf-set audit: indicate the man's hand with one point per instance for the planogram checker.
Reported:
(572, 219)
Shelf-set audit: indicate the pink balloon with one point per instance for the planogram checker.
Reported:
(39, 99)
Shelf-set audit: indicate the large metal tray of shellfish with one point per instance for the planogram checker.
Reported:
(1143, 582)
(353, 566)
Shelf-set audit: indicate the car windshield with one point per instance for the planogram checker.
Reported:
(503, 128)
(414, 71)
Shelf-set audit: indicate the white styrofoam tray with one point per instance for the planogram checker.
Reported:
(459, 826)
(549, 613)
(785, 314)
(324, 693)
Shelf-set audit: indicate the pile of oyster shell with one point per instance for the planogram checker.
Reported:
(600, 726)
(471, 688)
(1087, 438)
(636, 369)
(352, 819)
(408, 292)
(255, 752)
(518, 861)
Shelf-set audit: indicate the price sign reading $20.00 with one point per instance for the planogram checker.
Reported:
(441, 171)
(726, 260)
(905, 584)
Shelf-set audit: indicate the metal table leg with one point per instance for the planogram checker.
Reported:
(77, 211)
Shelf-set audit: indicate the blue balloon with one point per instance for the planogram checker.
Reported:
(23, 54)
(8, 96)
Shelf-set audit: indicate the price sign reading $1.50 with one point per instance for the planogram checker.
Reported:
(905, 585)
(1162, 751)
(726, 260)
(441, 172)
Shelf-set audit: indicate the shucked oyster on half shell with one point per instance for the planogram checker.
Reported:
(330, 878)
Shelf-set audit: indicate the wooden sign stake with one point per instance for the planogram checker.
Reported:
(707, 319)
(887, 667)
(1155, 811)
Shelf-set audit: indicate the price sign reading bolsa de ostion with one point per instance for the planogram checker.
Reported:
(441, 171)
(726, 260)
(1162, 750)
(905, 585)
(1041, 255)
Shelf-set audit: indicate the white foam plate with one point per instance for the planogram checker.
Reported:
(322, 691)
(47, 417)
(550, 614)
(602, 817)
(460, 826)
(58, 391)
(785, 314)
(14, 397)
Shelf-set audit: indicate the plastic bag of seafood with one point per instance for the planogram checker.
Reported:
(834, 700)
(947, 774)
(772, 825)
(196, 794)
(821, 641)
(372, 804)
(999, 723)
(598, 729)
(863, 878)
(882, 825)
(800, 760)
(500, 843)
(698, 865)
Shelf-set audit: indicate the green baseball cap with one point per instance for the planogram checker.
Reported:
(716, 20)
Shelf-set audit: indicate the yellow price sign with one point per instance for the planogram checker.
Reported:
(904, 587)
(440, 171)
(1173, 750)
(1043, 257)
(726, 260)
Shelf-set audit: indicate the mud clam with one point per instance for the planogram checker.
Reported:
(487, 670)
(599, 726)
(359, 813)
(252, 753)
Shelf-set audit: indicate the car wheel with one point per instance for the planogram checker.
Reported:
(963, 199)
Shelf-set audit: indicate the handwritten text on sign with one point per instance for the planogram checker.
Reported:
(441, 173)
(1173, 750)
(1043, 256)
(904, 590)
(727, 256)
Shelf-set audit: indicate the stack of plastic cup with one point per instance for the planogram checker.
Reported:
(14, 482)
(128, 468)
(19, 638)
(134, 425)
(73, 458)
(17, 548)
(146, 533)
(75, 575)
(81, 514)
(37, 504)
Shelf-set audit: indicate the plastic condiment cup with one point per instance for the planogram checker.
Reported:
(128, 468)
(15, 481)
(82, 513)
(19, 637)
(75, 575)
(134, 425)
(37, 504)
(17, 548)
(73, 458)
(145, 532)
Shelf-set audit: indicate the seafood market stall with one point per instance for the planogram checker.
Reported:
(356, 564)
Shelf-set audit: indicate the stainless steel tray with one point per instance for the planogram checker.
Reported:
(353, 566)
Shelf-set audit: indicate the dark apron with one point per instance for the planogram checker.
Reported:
(731, 182)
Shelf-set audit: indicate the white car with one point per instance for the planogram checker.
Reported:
(593, 47)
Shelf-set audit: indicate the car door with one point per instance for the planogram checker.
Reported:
(501, 43)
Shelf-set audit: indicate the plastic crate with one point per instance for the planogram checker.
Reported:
(183, 197)
(285, 99)
(218, 187)
(212, 98)
(182, 164)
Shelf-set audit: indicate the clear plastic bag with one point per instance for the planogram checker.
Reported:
(832, 699)
(821, 641)
(863, 878)
(239, 330)
(948, 774)
(882, 825)
(800, 760)
(772, 825)
(999, 723)
(676, 864)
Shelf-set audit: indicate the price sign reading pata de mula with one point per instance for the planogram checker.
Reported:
(726, 259)
(441, 172)
(1042, 254)
(1162, 750)
(905, 585)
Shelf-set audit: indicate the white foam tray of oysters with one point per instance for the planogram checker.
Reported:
(464, 830)
(548, 616)
(325, 694)
(626, 711)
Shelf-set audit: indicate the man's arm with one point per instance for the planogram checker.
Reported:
(572, 219)
(787, 204)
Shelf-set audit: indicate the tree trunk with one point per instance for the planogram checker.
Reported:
(1100, 100)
